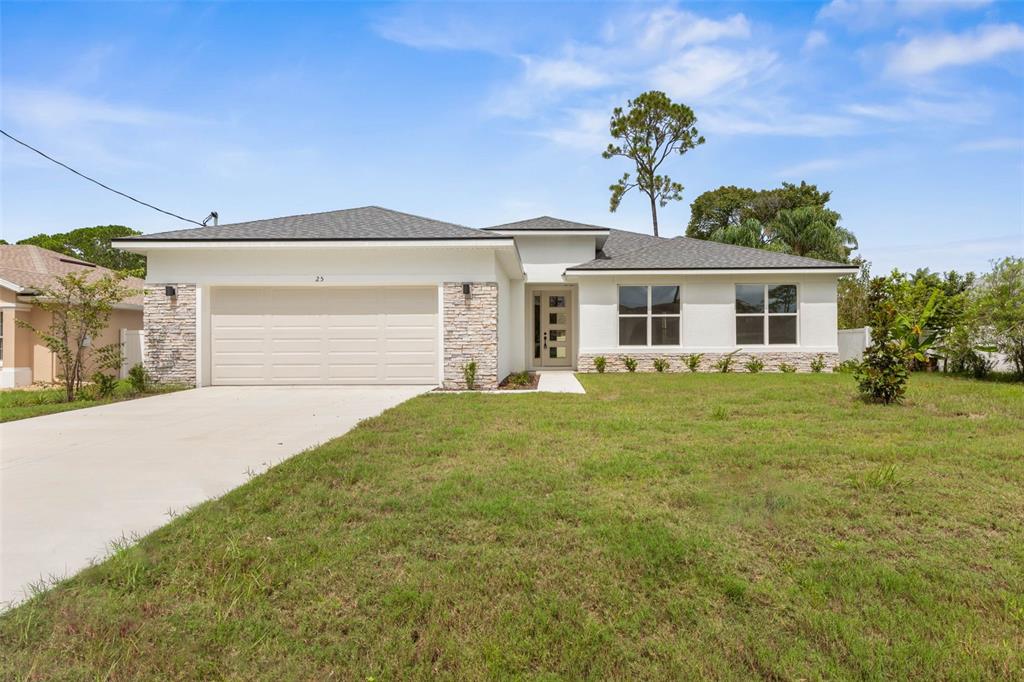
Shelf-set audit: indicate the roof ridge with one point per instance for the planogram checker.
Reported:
(415, 215)
(759, 249)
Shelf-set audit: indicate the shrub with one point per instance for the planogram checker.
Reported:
(519, 379)
(882, 376)
(787, 368)
(724, 364)
(693, 361)
(848, 366)
(754, 365)
(600, 362)
(138, 379)
(105, 384)
(469, 374)
(818, 363)
(660, 364)
(630, 363)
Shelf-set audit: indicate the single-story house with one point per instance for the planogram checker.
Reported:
(25, 270)
(370, 295)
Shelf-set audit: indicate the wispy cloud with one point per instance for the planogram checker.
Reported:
(993, 144)
(815, 39)
(926, 54)
(861, 14)
(800, 170)
(40, 108)
(428, 29)
(975, 109)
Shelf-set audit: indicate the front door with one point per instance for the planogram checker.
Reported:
(555, 328)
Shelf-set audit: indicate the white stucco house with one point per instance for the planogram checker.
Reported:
(371, 295)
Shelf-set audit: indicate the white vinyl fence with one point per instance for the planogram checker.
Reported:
(852, 343)
(133, 345)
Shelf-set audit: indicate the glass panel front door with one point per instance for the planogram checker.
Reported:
(556, 329)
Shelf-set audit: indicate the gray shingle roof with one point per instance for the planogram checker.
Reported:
(546, 222)
(686, 253)
(366, 223)
(620, 242)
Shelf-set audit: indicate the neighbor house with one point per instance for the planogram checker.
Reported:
(370, 295)
(25, 271)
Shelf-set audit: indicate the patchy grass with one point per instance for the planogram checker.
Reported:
(24, 403)
(662, 526)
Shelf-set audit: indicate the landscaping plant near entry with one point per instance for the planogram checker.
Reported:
(724, 364)
(469, 374)
(599, 536)
(787, 368)
(754, 365)
(600, 362)
(693, 361)
(660, 364)
(630, 363)
(818, 364)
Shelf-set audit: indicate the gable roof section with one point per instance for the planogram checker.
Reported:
(687, 253)
(369, 223)
(546, 223)
(32, 268)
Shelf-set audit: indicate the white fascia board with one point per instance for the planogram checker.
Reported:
(735, 271)
(141, 245)
(16, 288)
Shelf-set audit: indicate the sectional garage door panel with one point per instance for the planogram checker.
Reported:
(281, 335)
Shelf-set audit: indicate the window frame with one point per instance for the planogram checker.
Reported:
(766, 314)
(648, 316)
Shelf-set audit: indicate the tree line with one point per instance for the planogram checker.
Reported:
(92, 245)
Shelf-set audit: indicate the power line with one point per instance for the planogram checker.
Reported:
(83, 175)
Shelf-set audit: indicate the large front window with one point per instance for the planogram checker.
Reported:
(649, 316)
(765, 314)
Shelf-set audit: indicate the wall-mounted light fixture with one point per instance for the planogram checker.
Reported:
(170, 291)
(465, 289)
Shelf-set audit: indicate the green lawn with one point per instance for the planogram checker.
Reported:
(659, 527)
(24, 403)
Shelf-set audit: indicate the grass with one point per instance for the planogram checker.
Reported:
(21, 403)
(662, 526)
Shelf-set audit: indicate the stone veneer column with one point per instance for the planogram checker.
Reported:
(471, 333)
(170, 325)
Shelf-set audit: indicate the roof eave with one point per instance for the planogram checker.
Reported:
(136, 245)
(811, 269)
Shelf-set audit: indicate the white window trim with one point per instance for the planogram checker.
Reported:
(766, 314)
(649, 316)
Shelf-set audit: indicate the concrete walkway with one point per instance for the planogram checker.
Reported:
(559, 382)
(70, 483)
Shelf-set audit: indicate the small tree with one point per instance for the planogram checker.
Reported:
(80, 308)
(882, 375)
(650, 131)
(1001, 308)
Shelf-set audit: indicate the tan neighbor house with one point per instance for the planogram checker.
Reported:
(24, 271)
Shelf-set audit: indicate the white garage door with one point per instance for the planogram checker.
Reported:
(285, 335)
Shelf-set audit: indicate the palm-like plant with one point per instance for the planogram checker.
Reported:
(748, 233)
(813, 232)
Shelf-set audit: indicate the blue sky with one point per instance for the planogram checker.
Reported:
(911, 113)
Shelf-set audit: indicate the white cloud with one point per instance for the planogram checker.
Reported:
(429, 29)
(668, 28)
(815, 39)
(37, 108)
(585, 130)
(701, 71)
(775, 119)
(926, 54)
(801, 170)
(860, 14)
(994, 144)
(914, 109)
(567, 73)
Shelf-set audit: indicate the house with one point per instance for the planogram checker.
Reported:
(371, 295)
(24, 271)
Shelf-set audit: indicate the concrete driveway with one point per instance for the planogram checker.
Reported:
(71, 483)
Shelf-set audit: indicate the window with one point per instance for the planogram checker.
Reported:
(649, 316)
(757, 320)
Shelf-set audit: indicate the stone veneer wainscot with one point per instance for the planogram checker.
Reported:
(471, 333)
(771, 359)
(170, 324)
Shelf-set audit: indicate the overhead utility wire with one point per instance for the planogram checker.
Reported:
(83, 175)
